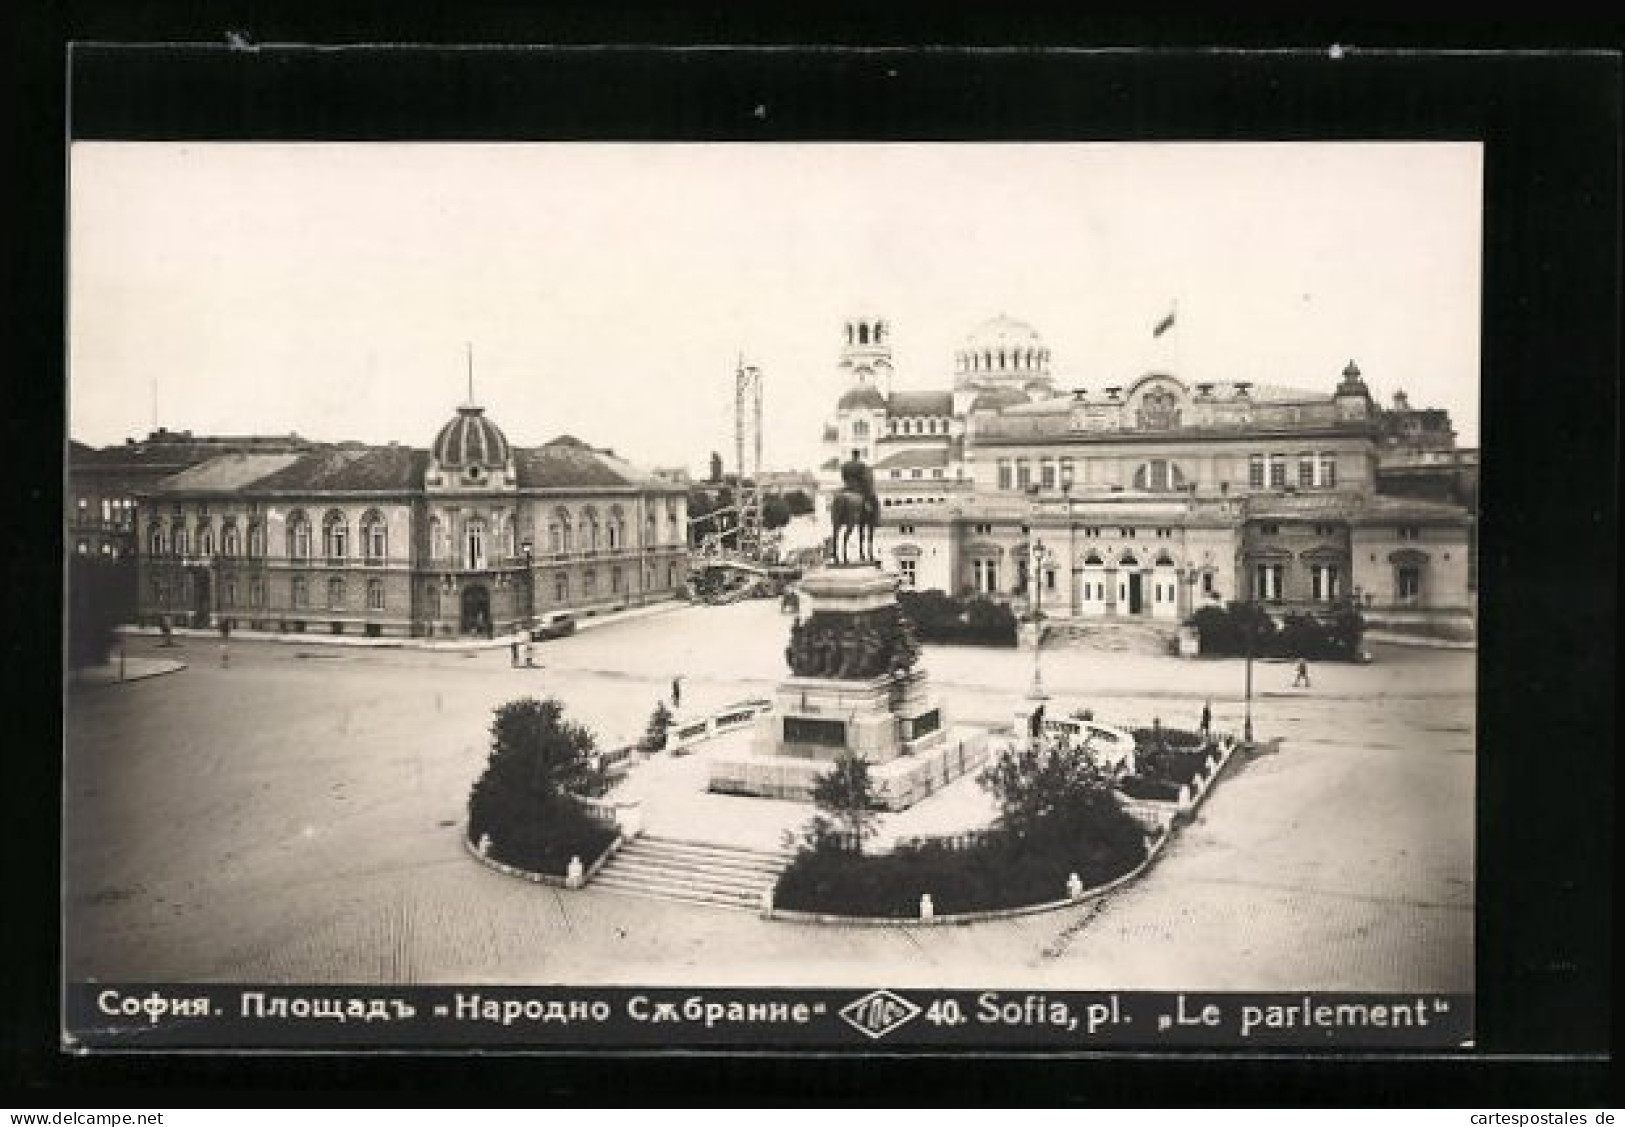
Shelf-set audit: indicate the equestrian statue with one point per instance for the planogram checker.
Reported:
(855, 506)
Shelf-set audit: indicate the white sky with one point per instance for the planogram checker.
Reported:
(607, 289)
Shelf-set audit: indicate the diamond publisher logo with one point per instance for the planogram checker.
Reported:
(879, 1013)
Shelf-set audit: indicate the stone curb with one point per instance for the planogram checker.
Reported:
(77, 678)
(539, 878)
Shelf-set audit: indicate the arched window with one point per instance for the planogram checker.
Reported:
(555, 539)
(860, 429)
(155, 540)
(205, 541)
(1158, 476)
(561, 588)
(335, 535)
(649, 531)
(474, 545)
(565, 536)
(863, 334)
(589, 529)
(230, 545)
(298, 535)
(335, 594)
(183, 544)
(374, 536)
(617, 529)
(301, 591)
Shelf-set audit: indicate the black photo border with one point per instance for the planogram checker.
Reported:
(1550, 121)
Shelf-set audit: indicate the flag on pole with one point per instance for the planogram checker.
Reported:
(1165, 324)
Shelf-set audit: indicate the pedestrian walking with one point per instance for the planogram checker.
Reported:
(225, 643)
(530, 655)
(676, 692)
(1303, 674)
(167, 631)
(513, 653)
(1207, 718)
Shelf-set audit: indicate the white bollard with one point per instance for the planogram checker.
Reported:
(1074, 887)
(767, 902)
(484, 845)
(927, 909)
(1184, 798)
(573, 877)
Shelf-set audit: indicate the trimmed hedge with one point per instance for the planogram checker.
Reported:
(989, 873)
(546, 844)
(1142, 786)
(1229, 631)
(939, 617)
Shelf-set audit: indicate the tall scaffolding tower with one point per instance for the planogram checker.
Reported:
(748, 455)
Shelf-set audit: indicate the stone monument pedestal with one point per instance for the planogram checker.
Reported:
(855, 690)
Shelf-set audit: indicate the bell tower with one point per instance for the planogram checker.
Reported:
(866, 353)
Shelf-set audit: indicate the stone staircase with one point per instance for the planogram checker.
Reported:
(661, 868)
(1112, 636)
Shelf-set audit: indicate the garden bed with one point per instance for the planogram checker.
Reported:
(991, 875)
(547, 849)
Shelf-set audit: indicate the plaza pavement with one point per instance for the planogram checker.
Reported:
(296, 818)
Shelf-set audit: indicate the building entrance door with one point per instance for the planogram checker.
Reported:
(476, 610)
(1136, 592)
(201, 597)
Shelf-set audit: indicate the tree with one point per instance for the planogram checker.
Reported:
(846, 801)
(99, 591)
(1053, 793)
(775, 512)
(523, 799)
(800, 504)
(654, 736)
(716, 468)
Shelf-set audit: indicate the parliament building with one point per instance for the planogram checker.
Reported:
(1155, 496)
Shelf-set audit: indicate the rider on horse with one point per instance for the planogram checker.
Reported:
(856, 506)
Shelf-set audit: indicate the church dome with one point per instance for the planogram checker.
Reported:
(470, 440)
(998, 399)
(1002, 348)
(862, 397)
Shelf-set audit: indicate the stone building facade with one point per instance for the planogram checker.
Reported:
(471, 536)
(1145, 499)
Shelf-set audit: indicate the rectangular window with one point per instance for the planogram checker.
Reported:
(615, 580)
(1046, 473)
(1267, 582)
(1024, 474)
(301, 592)
(1409, 532)
(916, 474)
(375, 594)
(1255, 471)
(256, 592)
(1277, 471)
(1066, 473)
(1306, 471)
(1328, 470)
(231, 592)
(1407, 585)
(589, 584)
(561, 589)
(907, 569)
(1269, 530)
(1006, 475)
(905, 530)
(1323, 582)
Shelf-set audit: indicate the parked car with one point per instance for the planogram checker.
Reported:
(553, 626)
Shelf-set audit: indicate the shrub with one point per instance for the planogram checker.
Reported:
(100, 595)
(1140, 786)
(970, 620)
(524, 799)
(1224, 632)
(845, 796)
(654, 736)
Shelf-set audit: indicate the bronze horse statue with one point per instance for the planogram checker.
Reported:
(855, 507)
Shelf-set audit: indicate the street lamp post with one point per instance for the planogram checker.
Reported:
(1252, 636)
(1038, 556)
(530, 583)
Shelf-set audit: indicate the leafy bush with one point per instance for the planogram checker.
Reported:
(1140, 786)
(1225, 632)
(1002, 873)
(654, 736)
(845, 796)
(972, 620)
(525, 801)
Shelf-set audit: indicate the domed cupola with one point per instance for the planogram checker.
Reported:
(1005, 351)
(470, 452)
